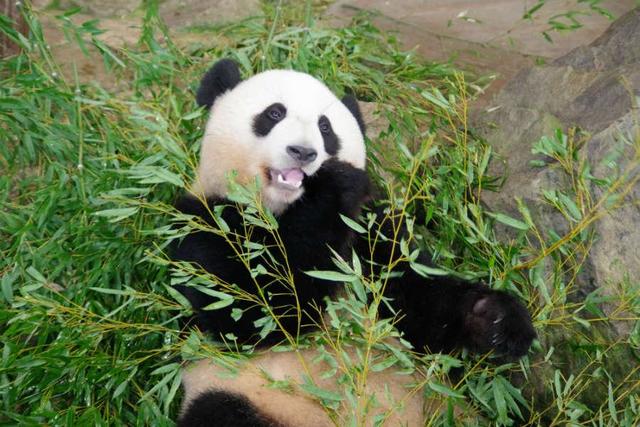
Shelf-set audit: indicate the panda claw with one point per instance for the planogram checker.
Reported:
(487, 330)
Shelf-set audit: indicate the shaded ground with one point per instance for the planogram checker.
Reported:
(121, 21)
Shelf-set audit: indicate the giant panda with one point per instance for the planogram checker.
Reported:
(306, 148)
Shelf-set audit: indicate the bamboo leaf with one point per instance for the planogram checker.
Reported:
(333, 276)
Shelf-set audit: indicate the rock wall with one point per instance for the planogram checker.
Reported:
(597, 89)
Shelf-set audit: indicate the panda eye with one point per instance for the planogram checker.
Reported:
(324, 125)
(269, 118)
(276, 113)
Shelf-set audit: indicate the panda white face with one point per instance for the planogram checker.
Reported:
(279, 126)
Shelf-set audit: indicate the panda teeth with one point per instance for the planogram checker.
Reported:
(282, 180)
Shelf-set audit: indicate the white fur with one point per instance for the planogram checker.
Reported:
(396, 396)
(229, 143)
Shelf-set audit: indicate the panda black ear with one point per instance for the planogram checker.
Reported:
(352, 105)
(223, 76)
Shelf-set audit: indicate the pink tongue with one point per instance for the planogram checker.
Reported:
(292, 175)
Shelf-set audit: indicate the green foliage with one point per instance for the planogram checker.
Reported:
(90, 319)
(568, 20)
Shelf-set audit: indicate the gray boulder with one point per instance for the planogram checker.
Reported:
(596, 89)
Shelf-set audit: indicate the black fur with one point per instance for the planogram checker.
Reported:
(223, 409)
(331, 140)
(441, 314)
(444, 314)
(308, 228)
(352, 105)
(223, 76)
(268, 119)
(436, 314)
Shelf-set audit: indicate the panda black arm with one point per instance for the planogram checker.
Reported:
(308, 229)
(214, 254)
(444, 314)
(337, 187)
(312, 226)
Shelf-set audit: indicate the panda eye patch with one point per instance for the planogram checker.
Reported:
(268, 119)
(331, 140)
(324, 125)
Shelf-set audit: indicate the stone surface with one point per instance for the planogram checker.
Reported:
(176, 13)
(596, 88)
(121, 22)
(491, 37)
(375, 122)
(185, 13)
(495, 22)
(95, 8)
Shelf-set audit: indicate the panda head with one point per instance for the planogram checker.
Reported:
(279, 126)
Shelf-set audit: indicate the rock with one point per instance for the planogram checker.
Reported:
(593, 88)
(175, 13)
(484, 37)
(597, 89)
(615, 254)
(96, 8)
(374, 121)
(186, 13)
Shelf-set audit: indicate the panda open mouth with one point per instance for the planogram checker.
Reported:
(286, 179)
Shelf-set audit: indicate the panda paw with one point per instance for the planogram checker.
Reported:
(499, 322)
(351, 184)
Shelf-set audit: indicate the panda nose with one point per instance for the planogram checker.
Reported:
(302, 154)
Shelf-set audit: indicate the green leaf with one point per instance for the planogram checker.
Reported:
(353, 225)
(7, 286)
(444, 390)
(611, 403)
(110, 291)
(571, 206)
(333, 276)
(438, 99)
(160, 384)
(386, 363)
(511, 222)
(165, 368)
(426, 271)
(318, 392)
(193, 115)
(581, 321)
(359, 290)
(120, 389)
(176, 295)
(117, 214)
(355, 261)
(177, 380)
(31, 271)
(529, 13)
(501, 404)
(236, 313)
(219, 304)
